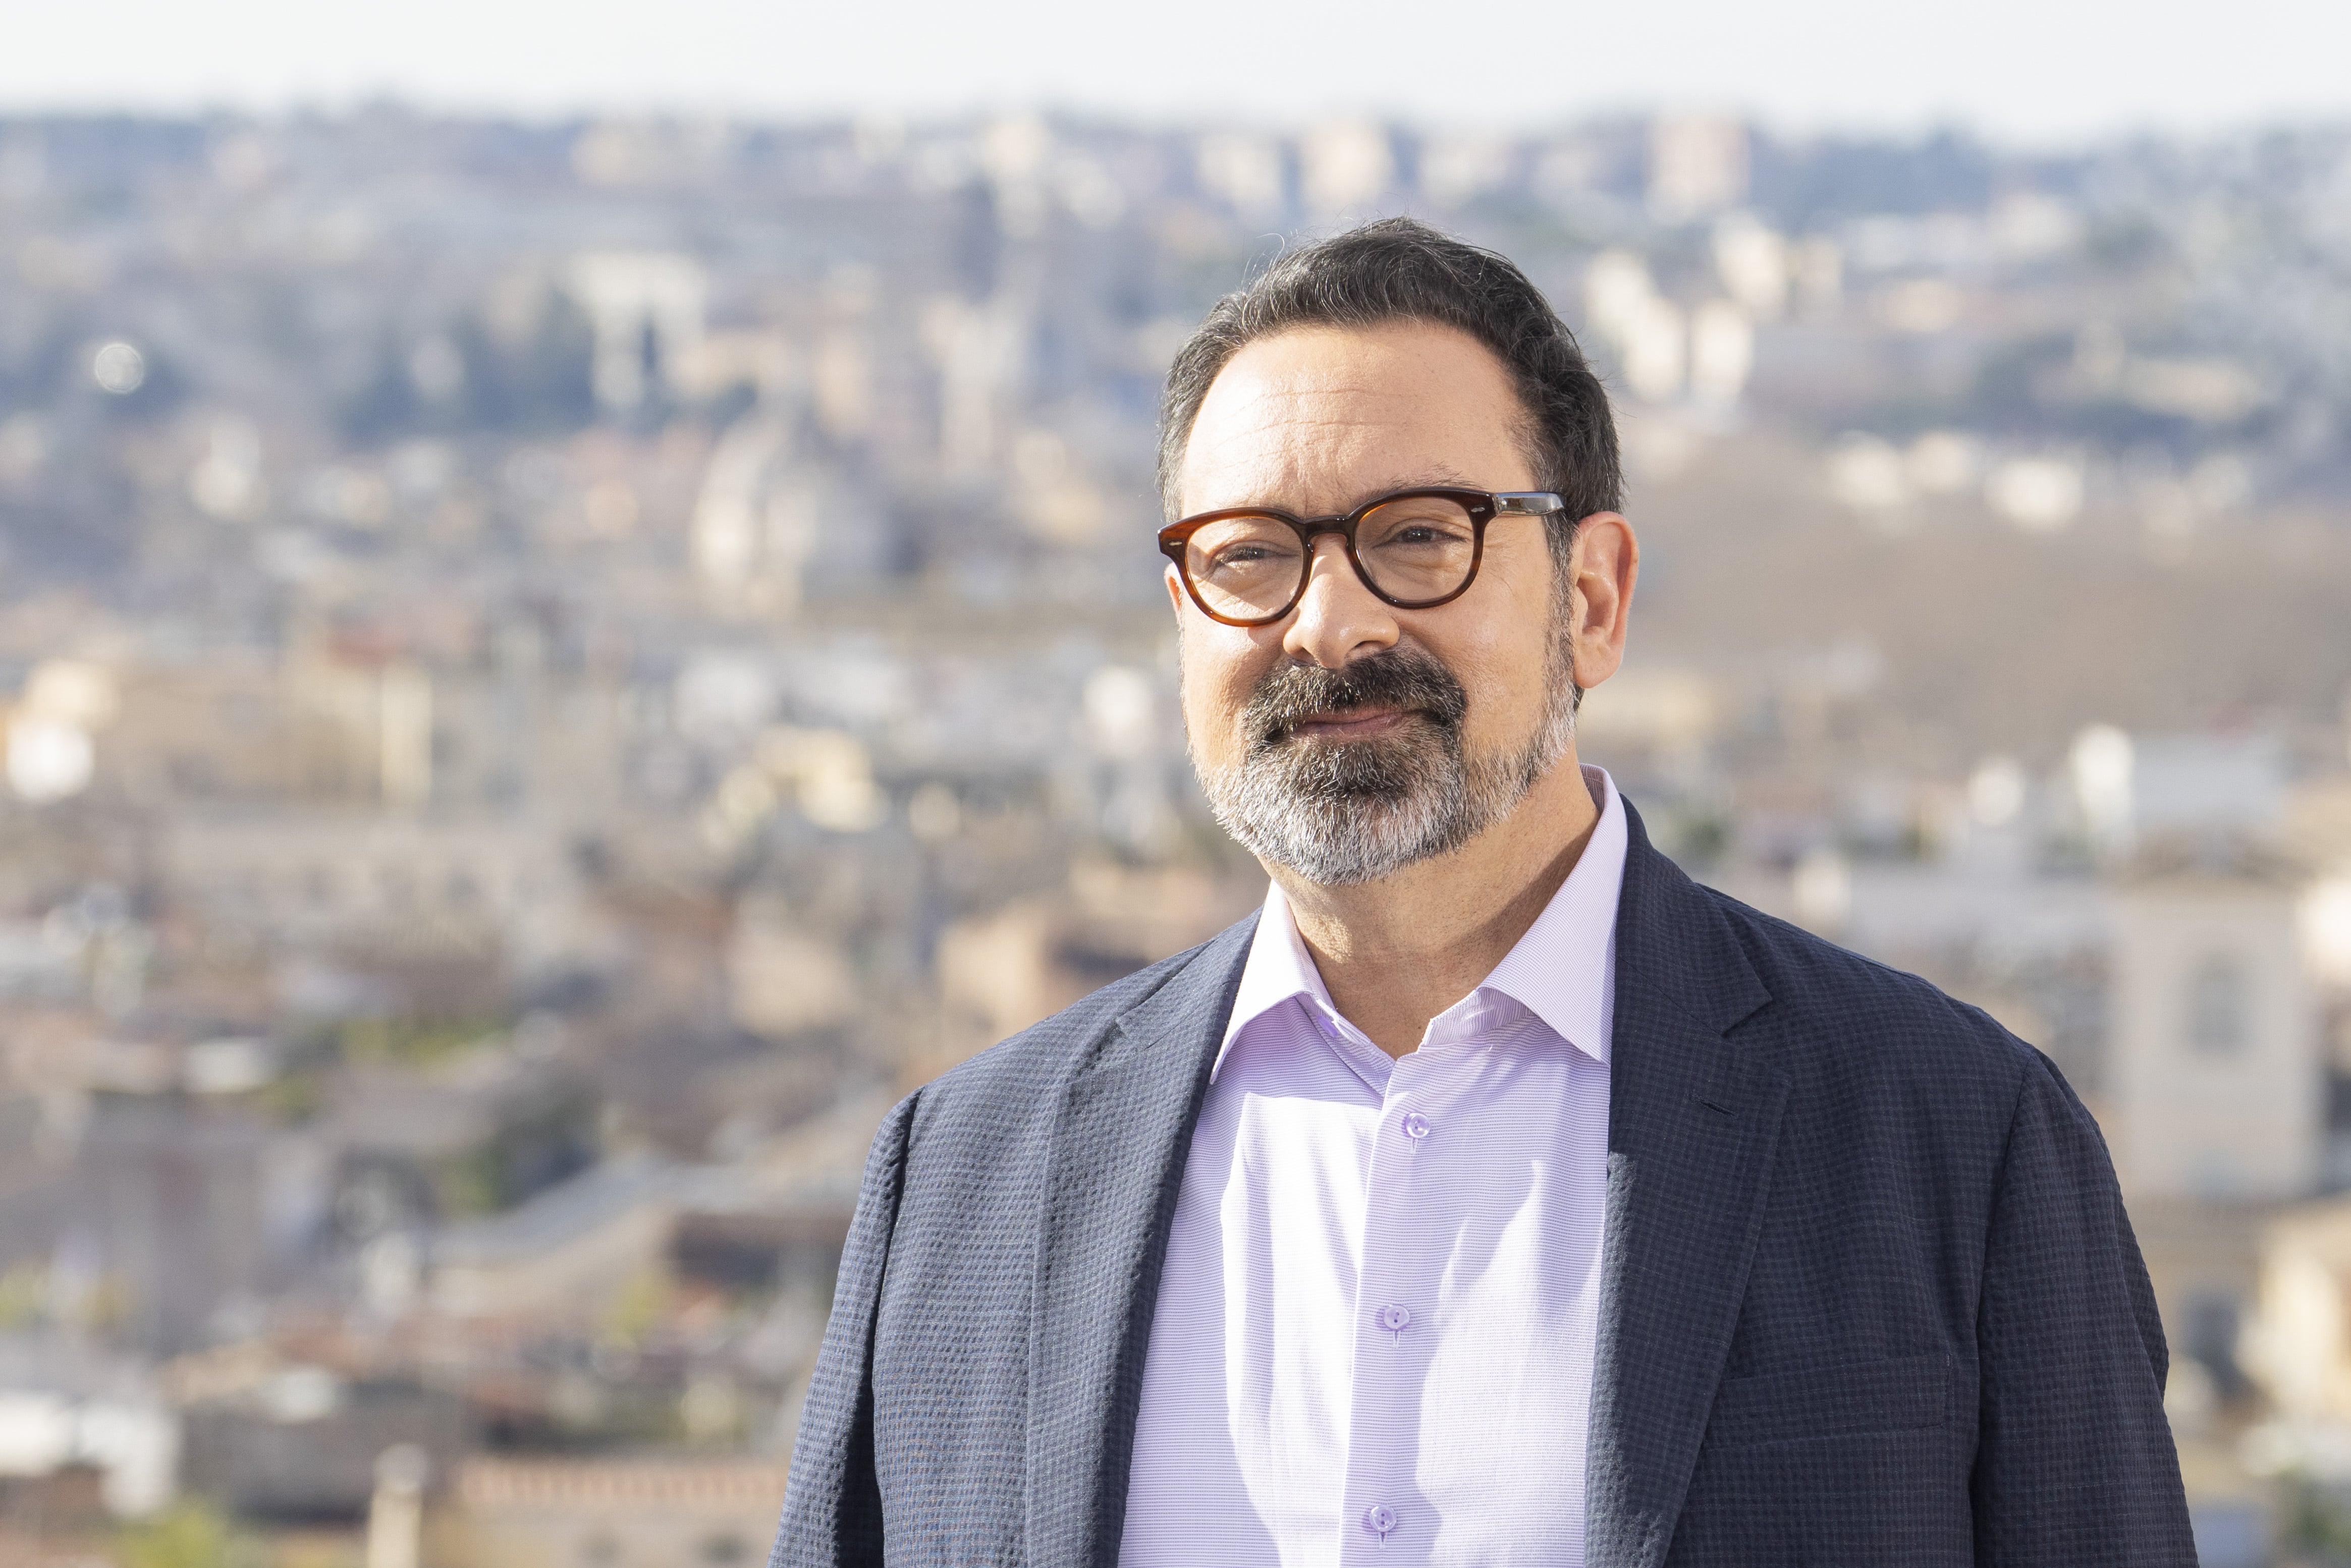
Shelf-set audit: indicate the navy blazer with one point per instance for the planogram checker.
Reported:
(1869, 1295)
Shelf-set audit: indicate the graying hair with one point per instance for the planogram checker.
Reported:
(1360, 813)
(1400, 269)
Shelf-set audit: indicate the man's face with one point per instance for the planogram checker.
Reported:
(1352, 738)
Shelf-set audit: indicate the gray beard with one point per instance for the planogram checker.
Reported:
(1340, 813)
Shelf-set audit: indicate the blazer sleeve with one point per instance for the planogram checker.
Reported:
(2075, 1464)
(832, 1501)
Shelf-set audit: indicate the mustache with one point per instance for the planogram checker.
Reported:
(1404, 679)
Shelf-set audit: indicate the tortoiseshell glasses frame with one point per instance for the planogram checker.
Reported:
(1248, 566)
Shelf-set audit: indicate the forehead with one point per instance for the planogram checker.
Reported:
(1318, 418)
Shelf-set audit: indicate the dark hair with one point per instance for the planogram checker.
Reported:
(1400, 269)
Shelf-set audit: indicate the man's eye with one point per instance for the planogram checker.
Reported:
(1421, 534)
(1251, 552)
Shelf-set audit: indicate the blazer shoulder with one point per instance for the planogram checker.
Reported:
(1849, 1004)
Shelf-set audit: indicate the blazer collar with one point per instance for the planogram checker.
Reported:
(1693, 1122)
(1120, 1134)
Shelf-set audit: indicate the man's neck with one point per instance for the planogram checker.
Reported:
(1396, 953)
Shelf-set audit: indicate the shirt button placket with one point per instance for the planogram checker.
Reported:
(1379, 1521)
(1388, 1244)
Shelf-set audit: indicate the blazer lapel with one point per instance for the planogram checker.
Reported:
(1120, 1140)
(1692, 1123)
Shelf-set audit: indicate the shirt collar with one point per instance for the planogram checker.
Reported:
(1563, 970)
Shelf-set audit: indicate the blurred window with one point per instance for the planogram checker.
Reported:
(2218, 1002)
(2213, 1325)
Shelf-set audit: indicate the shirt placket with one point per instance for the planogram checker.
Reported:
(1383, 1520)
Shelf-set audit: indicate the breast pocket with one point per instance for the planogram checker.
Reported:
(1834, 1400)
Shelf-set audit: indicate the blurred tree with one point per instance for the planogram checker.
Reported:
(468, 379)
(2313, 1524)
(190, 1534)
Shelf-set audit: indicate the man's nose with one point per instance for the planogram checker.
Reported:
(1338, 617)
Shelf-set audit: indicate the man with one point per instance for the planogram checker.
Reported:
(1496, 1194)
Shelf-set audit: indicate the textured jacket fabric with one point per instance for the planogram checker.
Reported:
(1869, 1295)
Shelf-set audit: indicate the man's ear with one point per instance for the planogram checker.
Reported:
(1606, 564)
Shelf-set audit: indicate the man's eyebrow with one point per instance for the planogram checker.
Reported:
(1435, 476)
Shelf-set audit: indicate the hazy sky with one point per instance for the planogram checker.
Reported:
(2033, 70)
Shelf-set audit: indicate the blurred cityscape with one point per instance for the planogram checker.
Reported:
(551, 672)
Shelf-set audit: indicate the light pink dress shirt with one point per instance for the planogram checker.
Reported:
(1374, 1339)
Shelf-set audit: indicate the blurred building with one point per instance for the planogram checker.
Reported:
(2215, 1086)
(551, 1514)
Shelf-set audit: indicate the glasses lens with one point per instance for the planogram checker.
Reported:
(1417, 547)
(1244, 567)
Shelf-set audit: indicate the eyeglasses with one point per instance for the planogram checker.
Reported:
(1415, 550)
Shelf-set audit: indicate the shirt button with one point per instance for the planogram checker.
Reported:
(1379, 1519)
(1395, 1319)
(1415, 1126)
